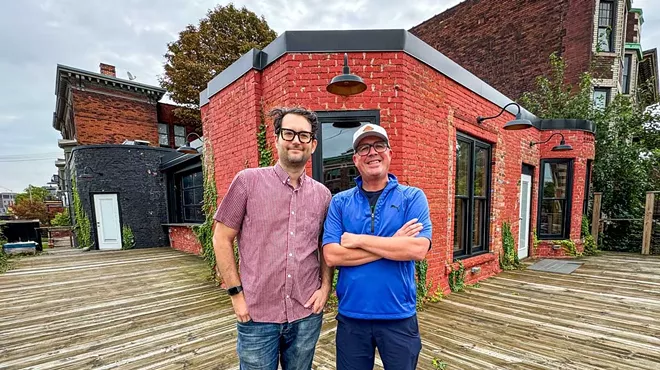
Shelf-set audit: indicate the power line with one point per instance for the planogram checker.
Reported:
(30, 155)
(27, 160)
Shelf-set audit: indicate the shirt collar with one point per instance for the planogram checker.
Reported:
(284, 176)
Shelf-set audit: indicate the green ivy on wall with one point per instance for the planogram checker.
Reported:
(83, 227)
(127, 237)
(204, 232)
(265, 153)
(457, 278)
(509, 257)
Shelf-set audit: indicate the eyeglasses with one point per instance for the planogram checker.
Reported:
(379, 147)
(305, 137)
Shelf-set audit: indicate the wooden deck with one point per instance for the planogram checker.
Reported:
(154, 309)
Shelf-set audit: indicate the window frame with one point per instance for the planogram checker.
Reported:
(330, 117)
(194, 187)
(175, 136)
(626, 74)
(607, 92)
(611, 20)
(468, 249)
(175, 206)
(167, 134)
(587, 187)
(568, 201)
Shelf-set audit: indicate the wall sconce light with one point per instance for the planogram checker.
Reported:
(187, 148)
(346, 124)
(517, 124)
(346, 84)
(562, 147)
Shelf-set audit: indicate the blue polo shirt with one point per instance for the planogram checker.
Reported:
(383, 289)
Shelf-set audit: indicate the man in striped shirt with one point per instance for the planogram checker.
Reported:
(277, 213)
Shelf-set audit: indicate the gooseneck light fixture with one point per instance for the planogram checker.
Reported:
(517, 124)
(562, 147)
(187, 148)
(346, 84)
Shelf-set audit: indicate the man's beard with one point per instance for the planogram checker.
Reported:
(297, 160)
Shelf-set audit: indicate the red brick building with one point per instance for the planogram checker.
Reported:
(507, 43)
(474, 174)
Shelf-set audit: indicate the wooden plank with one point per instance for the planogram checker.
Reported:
(648, 223)
(595, 218)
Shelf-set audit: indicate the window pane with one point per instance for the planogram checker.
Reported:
(605, 14)
(188, 213)
(163, 140)
(626, 74)
(480, 178)
(179, 131)
(463, 150)
(555, 176)
(600, 99)
(179, 141)
(339, 172)
(198, 179)
(162, 128)
(477, 223)
(198, 195)
(604, 39)
(459, 224)
(552, 216)
(188, 197)
(187, 181)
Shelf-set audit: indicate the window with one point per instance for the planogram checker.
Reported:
(163, 134)
(605, 25)
(472, 202)
(192, 197)
(601, 98)
(555, 193)
(179, 136)
(332, 163)
(625, 83)
(587, 188)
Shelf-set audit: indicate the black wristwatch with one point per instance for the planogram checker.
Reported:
(234, 290)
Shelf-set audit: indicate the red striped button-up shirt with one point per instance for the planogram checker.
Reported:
(278, 240)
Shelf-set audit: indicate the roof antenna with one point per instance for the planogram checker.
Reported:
(130, 76)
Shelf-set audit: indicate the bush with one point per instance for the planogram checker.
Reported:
(61, 219)
(127, 238)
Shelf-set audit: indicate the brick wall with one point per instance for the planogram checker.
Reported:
(107, 116)
(422, 110)
(183, 238)
(507, 43)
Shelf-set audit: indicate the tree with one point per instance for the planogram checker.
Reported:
(34, 193)
(627, 146)
(27, 209)
(203, 51)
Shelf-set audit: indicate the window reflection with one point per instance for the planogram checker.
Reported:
(339, 172)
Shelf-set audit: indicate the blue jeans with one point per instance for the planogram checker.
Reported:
(398, 343)
(261, 345)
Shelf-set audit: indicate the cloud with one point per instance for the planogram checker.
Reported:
(133, 36)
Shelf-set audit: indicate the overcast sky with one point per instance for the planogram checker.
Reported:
(132, 35)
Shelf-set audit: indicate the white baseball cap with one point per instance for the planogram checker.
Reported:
(369, 130)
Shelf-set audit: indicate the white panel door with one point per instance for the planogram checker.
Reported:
(525, 215)
(108, 228)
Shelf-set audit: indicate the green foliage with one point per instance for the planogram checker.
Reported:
(590, 247)
(3, 239)
(36, 193)
(627, 161)
(265, 153)
(509, 257)
(83, 227)
(457, 278)
(5, 264)
(585, 227)
(568, 246)
(127, 237)
(203, 51)
(438, 364)
(423, 287)
(61, 219)
(204, 232)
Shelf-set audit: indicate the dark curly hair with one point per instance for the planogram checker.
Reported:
(279, 113)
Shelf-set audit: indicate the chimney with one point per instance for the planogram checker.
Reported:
(108, 70)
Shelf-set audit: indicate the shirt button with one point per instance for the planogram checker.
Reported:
(292, 233)
(287, 297)
(290, 254)
(293, 213)
(289, 276)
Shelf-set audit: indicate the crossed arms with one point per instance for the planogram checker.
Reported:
(357, 249)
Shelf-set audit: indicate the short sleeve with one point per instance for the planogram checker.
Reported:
(333, 227)
(418, 208)
(232, 208)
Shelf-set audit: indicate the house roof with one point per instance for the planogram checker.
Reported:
(64, 71)
(356, 41)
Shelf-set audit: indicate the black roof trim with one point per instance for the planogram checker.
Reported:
(180, 160)
(565, 124)
(355, 41)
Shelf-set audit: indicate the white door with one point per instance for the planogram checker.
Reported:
(525, 198)
(108, 228)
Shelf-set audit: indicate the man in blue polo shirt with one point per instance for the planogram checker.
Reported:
(374, 233)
